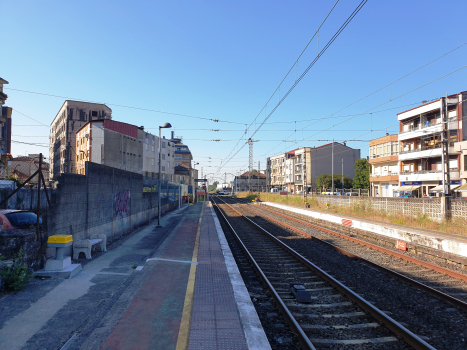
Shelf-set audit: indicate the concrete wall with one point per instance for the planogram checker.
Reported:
(105, 200)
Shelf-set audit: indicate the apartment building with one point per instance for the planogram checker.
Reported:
(151, 157)
(384, 163)
(182, 152)
(421, 148)
(308, 163)
(123, 146)
(70, 118)
(302, 169)
(110, 143)
(257, 181)
(5, 122)
(279, 171)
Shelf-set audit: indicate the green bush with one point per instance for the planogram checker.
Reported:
(17, 275)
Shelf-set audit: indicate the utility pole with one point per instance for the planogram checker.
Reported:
(445, 148)
(342, 175)
(332, 167)
(258, 176)
(250, 162)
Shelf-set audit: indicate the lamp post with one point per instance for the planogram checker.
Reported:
(193, 182)
(165, 126)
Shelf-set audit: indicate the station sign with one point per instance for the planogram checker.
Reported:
(201, 180)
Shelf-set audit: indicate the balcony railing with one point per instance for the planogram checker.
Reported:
(393, 154)
(385, 174)
(424, 126)
(298, 182)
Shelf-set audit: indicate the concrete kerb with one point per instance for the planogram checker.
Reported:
(254, 333)
(445, 242)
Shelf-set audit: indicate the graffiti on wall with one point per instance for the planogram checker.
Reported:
(122, 204)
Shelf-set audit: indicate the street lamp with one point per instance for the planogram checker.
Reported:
(165, 126)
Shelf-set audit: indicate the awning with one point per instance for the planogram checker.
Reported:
(462, 188)
(439, 189)
(406, 188)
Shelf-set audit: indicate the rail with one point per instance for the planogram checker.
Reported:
(380, 316)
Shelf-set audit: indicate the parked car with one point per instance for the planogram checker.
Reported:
(12, 219)
(299, 192)
(274, 190)
(407, 196)
(464, 198)
(224, 192)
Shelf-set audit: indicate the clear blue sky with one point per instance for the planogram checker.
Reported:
(223, 60)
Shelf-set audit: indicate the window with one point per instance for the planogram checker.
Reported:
(163, 156)
(153, 148)
(465, 163)
(94, 114)
(163, 144)
(152, 161)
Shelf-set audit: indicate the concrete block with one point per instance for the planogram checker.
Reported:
(57, 264)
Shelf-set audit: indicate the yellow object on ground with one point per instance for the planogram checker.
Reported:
(60, 239)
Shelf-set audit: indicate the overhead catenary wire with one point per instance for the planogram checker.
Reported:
(334, 37)
(380, 89)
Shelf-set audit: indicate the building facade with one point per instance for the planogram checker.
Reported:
(123, 146)
(23, 167)
(182, 152)
(384, 163)
(69, 119)
(307, 164)
(5, 121)
(151, 157)
(423, 131)
(110, 143)
(257, 182)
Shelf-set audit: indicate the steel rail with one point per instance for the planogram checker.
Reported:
(402, 332)
(305, 342)
(376, 247)
(434, 292)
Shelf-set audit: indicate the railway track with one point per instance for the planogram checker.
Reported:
(322, 311)
(443, 284)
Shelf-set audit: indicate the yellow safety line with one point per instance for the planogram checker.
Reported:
(184, 332)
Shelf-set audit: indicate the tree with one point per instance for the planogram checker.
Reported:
(326, 180)
(213, 186)
(362, 174)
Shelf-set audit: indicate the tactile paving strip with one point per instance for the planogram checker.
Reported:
(215, 322)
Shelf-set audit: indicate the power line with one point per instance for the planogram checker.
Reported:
(123, 106)
(339, 31)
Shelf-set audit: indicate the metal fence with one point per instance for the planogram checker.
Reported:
(431, 207)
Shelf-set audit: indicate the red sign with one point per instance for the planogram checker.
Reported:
(200, 193)
(283, 193)
(347, 222)
(402, 245)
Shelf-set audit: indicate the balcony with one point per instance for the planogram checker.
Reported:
(298, 182)
(428, 175)
(423, 129)
(434, 151)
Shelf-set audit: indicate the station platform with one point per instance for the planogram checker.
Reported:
(445, 245)
(193, 296)
(176, 287)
